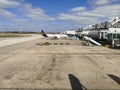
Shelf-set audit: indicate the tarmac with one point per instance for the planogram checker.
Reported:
(62, 65)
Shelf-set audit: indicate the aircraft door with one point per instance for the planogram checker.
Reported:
(101, 35)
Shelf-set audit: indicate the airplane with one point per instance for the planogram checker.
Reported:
(54, 35)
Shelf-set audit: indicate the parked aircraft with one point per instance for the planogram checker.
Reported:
(53, 35)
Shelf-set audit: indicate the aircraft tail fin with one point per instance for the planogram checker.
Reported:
(44, 34)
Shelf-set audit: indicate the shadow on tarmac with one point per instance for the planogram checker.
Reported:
(115, 78)
(75, 83)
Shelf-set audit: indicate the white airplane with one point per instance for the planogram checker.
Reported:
(54, 35)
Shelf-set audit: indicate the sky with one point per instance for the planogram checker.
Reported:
(55, 15)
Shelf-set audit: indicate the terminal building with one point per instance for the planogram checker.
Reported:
(70, 32)
(108, 31)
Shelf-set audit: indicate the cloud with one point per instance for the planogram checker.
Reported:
(32, 18)
(35, 13)
(35, 18)
(8, 3)
(78, 9)
(27, 10)
(77, 19)
(6, 14)
(79, 15)
(91, 16)
(102, 2)
(108, 10)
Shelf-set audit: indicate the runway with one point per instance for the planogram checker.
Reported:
(59, 67)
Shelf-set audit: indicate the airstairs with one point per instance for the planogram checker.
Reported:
(90, 40)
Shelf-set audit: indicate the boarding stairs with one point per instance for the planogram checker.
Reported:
(90, 40)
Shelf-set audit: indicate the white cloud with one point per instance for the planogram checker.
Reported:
(4, 5)
(77, 19)
(102, 2)
(6, 14)
(89, 14)
(108, 10)
(35, 13)
(26, 23)
(8, 3)
(78, 9)
(95, 15)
